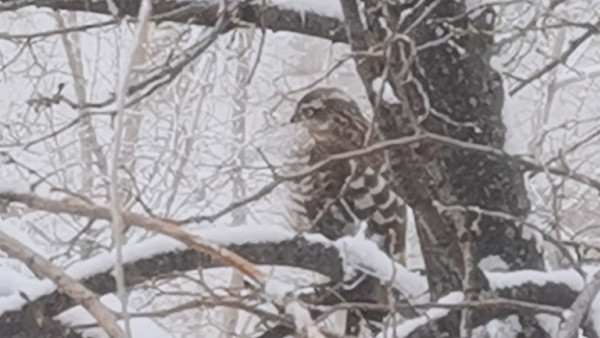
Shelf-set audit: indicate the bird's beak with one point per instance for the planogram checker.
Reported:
(294, 118)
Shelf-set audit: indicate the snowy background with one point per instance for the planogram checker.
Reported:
(192, 147)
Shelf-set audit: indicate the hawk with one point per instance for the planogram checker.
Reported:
(337, 197)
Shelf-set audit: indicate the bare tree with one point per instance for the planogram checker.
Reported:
(508, 232)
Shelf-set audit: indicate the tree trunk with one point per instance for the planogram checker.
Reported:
(443, 83)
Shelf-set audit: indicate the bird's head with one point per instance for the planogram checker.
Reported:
(325, 105)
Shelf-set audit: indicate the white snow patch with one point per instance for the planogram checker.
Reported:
(11, 227)
(317, 238)
(507, 328)
(278, 289)
(493, 263)
(140, 327)
(282, 292)
(439, 32)
(328, 8)
(590, 271)
(388, 93)
(407, 327)
(414, 255)
(502, 280)
(364, 255)
(362, 229)
(549, 323)
(538, 222)
(12, 282)
(245, 234)
(408, 12)
(476, 3)
(300, 314)
(16, 186)
(34, 290)
(568, 314)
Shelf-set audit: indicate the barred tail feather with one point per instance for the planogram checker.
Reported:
(373, 199)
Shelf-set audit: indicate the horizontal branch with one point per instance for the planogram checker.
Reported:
(162, 256)
(165, 227)
(297, 252)
(527, 164)
(264, 245)
(321, 21)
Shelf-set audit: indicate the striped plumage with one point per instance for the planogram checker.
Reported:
(337, 197)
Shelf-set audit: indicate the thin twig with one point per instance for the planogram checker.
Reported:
(389, 144)
(55, 133)
(64, 30)
(562, 59)
(118, 224)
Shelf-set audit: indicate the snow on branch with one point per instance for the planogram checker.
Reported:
(504, 280)
(364, 255)
(91, 267)
(556, 288)
(268, 245)
(525, 291)
(160, 256)
(167, 228)
(309, 17)
(326, 8)
(66, 284)
(564, 288)
(407, 327)
(357, 254)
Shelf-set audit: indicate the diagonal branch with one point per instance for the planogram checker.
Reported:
(167, 228)
(65, 283)
(580, 308)
(573, 46)
(145, 261)
(160, 257)
(423, 137)
(118, 226)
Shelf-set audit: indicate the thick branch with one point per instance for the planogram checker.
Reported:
(297, 253)
(321, 257)
(204, 12)
(580, 308)
(66, 284)
(167, 228)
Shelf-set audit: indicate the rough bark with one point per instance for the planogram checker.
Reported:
(448, 88)
(462, 88)
(466, 95)
(300, 253)
(297, 253)
(205, 13)
(465, 88)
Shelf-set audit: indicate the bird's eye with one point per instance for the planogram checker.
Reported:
(309, 112)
